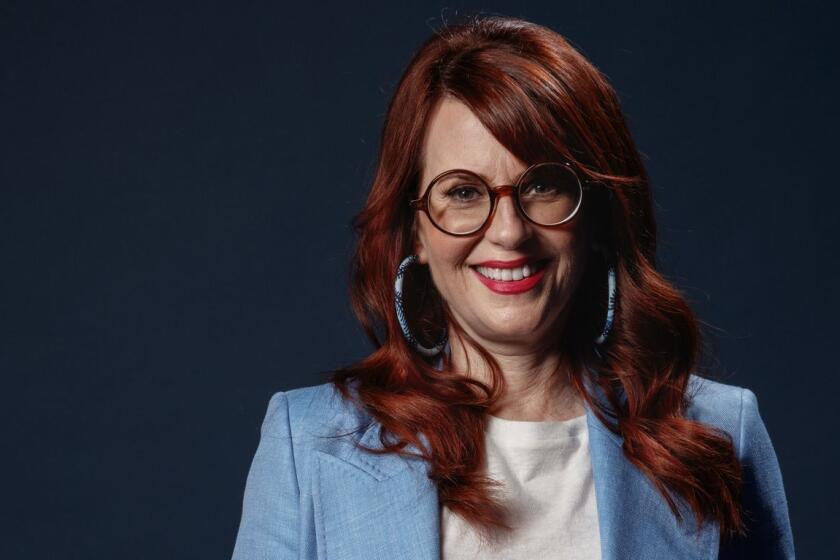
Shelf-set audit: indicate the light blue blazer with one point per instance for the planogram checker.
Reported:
(309, 496)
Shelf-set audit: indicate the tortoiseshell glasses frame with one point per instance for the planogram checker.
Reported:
(498, 191)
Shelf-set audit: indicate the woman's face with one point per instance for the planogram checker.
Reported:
(499, 311)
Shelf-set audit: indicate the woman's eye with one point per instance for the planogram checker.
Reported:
(542, 190)
(463, 193)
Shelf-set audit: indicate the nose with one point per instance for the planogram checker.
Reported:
(507, 227)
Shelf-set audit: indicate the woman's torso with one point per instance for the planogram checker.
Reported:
(546, 473)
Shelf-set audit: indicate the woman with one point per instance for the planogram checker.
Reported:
(534, 392)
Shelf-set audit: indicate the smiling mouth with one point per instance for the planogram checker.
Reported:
(512, 274)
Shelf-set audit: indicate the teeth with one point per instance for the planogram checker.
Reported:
(507, 274)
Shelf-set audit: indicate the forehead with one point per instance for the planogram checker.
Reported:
(456, 139)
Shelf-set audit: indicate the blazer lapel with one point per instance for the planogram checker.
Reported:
(635, 520)
(375, 507)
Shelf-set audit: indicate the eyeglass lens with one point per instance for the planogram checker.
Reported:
(460, 202)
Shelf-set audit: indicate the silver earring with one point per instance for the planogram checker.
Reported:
(398, 304)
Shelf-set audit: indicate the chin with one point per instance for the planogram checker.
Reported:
(505, 332)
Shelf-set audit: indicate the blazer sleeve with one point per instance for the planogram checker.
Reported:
(269, 524)
(765, 507)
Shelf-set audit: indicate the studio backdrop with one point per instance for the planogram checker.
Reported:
(177, 183)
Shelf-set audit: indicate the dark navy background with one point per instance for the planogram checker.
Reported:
(176, 186)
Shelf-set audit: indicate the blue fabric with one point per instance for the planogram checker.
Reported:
(311, 494)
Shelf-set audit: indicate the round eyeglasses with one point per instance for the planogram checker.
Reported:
(459, 202)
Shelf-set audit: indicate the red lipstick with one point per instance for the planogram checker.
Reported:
(506, 264)
(509, 287)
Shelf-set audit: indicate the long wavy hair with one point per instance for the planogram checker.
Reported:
(543, 101)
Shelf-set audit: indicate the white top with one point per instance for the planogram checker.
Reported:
(547, 476)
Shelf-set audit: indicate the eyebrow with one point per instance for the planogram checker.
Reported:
(485, 177)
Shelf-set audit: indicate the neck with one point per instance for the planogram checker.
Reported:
(537, 383)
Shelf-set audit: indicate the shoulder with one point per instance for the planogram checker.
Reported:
(297, 424)
(314, 415)
(735, 410)
(731, 408)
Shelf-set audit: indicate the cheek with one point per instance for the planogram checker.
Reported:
(448, 257)
(574, 249)
(577, 261)
(566, 245)
(445, 252)
(571, 254)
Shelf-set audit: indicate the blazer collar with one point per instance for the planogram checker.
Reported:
(385, 506)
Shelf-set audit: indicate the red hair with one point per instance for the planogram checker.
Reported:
(543, 101)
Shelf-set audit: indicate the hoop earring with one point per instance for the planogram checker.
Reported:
(610, 307)
(398, 304)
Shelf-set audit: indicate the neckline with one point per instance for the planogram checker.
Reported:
(535, 430)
